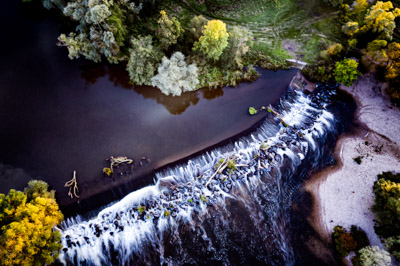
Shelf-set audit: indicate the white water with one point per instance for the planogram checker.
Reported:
(264, 193)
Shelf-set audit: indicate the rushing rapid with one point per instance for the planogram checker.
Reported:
(227, 206)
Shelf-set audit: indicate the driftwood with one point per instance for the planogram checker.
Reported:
(116, 161)
(222, 166)
(270, 109)
(72, 185)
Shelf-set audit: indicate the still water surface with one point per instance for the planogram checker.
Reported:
(59, 115)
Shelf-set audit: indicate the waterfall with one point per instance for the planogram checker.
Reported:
(192, 216)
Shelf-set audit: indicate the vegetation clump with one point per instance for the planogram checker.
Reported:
(344, 241)
(387, 210)
(371, 256)
(27, 224)
(346, 71)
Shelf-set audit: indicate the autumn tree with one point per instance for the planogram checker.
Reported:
(380, 19)
(27, 221)
(346, 71)
(213, 41)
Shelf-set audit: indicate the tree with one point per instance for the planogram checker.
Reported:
(346, 71)
(393, 71)
(27, 223)
(374, 256)
(195, 28)
(380, 19)
(213, 41)
(387, 205)
(238, 46)
(350, 28)
(375, 54)
(393, 245)
(344, 241)
(175, 76)
(169, 30)
(143, 60)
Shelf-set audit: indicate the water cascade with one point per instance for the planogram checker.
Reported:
(227, 206)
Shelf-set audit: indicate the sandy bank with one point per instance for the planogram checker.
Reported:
(343, 192)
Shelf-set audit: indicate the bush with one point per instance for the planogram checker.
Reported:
(374, 256)
(27, 223)
(387, 205)
(393, 245)
(175, 77)
(344, 241)
(346, 71)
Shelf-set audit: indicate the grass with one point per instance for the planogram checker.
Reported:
(301, 25)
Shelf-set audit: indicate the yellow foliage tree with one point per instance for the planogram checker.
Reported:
(380, 18)
(27, 221)
(394, 61)
(214, 40)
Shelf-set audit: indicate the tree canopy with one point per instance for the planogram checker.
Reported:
(27, 221)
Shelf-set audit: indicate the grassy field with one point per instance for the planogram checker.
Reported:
(286, 28)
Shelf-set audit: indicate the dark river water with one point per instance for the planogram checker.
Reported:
(59, 115)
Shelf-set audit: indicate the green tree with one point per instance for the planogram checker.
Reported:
(238, 45)
(346, 71)
(195, 28)
(27, 223)
(143, 60)
(169, 30)
(213, 41)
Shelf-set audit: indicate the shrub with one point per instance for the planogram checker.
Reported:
(175, 77)
(213, 41)
(387, 205)
(27, 221)
(346, 71)
(344, 241)
(393, 245)
(374, 256)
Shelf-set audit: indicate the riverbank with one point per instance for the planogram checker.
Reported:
(343, 193)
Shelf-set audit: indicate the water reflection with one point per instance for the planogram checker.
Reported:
(117, 74)
(210, 94)
(176, 105)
